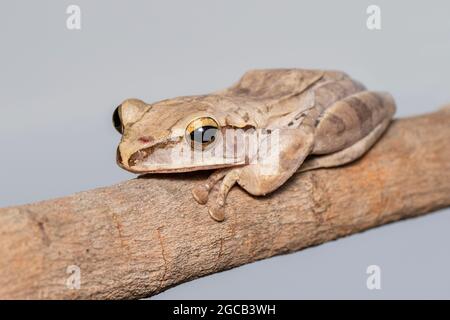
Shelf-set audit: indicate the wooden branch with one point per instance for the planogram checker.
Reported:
(139, 237)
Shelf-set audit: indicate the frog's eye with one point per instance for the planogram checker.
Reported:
(202, 132)
(117, 120)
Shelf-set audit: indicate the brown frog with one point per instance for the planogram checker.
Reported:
(257, 133)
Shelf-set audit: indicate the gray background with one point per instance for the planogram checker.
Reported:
(59, 87)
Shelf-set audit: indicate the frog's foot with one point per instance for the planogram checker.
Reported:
(217, 208)
(217, 212)
(201, 191)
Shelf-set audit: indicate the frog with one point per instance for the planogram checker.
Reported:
(313, 119)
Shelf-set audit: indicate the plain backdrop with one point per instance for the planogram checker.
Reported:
(58, 88)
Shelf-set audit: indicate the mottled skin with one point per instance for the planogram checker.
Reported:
(323, 115)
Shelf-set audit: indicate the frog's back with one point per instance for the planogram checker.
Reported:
(284, 96)
(276, 84)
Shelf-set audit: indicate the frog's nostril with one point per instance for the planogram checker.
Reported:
(146, 139)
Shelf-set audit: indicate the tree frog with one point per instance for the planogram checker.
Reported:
(312, 119)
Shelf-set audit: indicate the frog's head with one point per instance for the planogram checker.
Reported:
(177, 135)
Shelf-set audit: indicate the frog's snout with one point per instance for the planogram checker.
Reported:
(119, 159)
(124, 162)
(128, 158)
(123, 157)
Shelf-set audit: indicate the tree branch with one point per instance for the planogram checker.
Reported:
(139, 237)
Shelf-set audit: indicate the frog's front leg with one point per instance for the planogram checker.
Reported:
(202, 190)
(217, 208)
(260, 178)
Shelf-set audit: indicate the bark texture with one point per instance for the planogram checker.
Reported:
(139, 237)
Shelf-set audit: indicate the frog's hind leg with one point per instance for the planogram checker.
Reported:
(348, 128)
(346, 155)
(351, 119)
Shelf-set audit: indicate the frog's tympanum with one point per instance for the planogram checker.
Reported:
(257, 133)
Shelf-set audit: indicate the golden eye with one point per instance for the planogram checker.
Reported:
(202, 132)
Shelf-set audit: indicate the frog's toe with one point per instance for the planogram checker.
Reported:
(200, 193)
(217, 212)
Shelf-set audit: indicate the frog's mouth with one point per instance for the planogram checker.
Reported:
(144, 155)
(174, 156)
